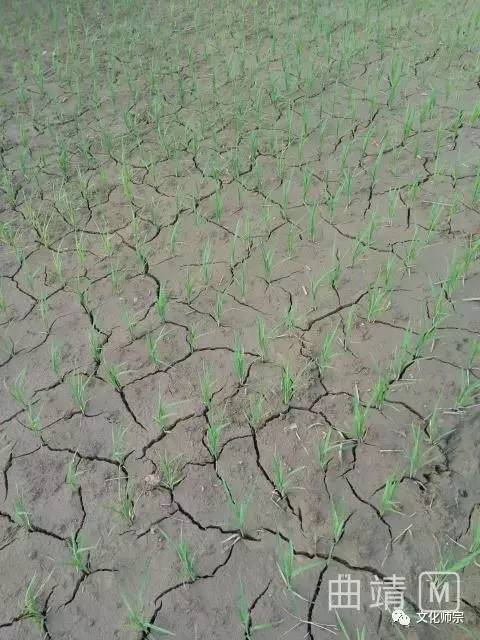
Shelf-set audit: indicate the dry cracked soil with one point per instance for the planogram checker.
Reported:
(240, 323)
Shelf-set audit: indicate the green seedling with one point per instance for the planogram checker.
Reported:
(216, 425)
(113, 373)
(188, 559)
(283, 477)
(240, 368)
(161, 303)
(207, 383)
(468, 392)
(126, 506)
(219, 304)
(31, 605)
(312, 221)
(78, 384)
(360, 412)
(206, 260)
(130, 320)
(435, 430)
(119, 452)
(289, 567)
(18, 389)
(152, 346)
(325, 449)
(360, 634)
(418, 457)
(473, 353)
(263, 339)
(245, 615)
(387, 501)
(95, 345)
(79, 554)
(338, 519)
(238, 507)
(172, 469)
(33, 419)
(380, 392)
(72, 473)
(163, 412)
(3, 301)
(288, 383)
(268, 257)
(324, 359)
(174, 236)
(137, 621)
(255, 411)
(378, 301)
(21, 515)
(290, 318)
(189, 287)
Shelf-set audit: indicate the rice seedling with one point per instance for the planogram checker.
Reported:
(207, 383)
(3, 301)
(412, 250)
(206, 259)
(239, 361)
(117, 278)
(263, 339)
(18, 389)
(255, 410)
(268, 257)
(216, 425)
(192, 337)
(119, 452)
(291, 318)
(473, 353)
(238, 508)
(289, 567)
(244, 613)
(79, 554)
(360, 634)
(359, 427)
(130, 320)
(125, 506)
(324, 359)
(113, 373)
(219, 305)
(288, 383)
(172, 470)
(153, 345)
(283, 477)
(21, 515)
(95, 345)
(187, 558)
(325, 449)
(163, 412)
(468, 391)
(162, 302)
(137, 620)
(78, 384)
(72, 473)
(33, 421)
(387, 500)
(312, 221)
(338, 520)
(380, 392)
(31, 606)
(189, 287)
(418, 456)
(174, 236)
(378, 301)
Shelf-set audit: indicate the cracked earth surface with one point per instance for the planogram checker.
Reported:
(174, 179)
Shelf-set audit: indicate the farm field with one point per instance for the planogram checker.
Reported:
(239, 318)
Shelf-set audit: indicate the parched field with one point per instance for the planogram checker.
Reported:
(240, 317)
